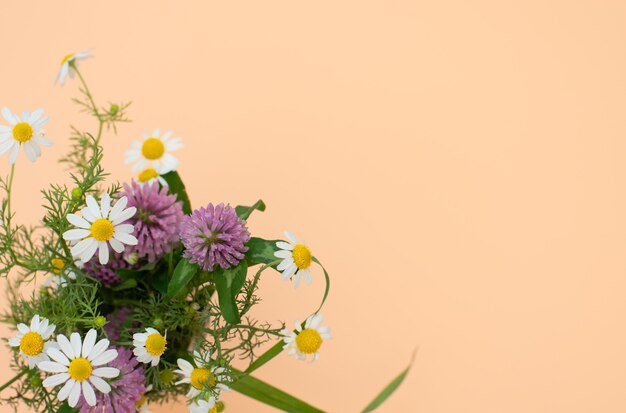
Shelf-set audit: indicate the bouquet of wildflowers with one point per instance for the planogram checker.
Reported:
(144, 299)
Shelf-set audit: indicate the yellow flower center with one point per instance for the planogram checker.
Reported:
(148, 174)
(23, 132)
(57, 265)
(153, 148)
(141, 401)
(201, 376)
(156, 344)
(102, 230)
(302, 256)
(31, 344)
(213, 409)
(80, 369)
(309, 341)
(67, 58)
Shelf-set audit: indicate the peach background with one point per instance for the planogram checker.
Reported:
(457, 165)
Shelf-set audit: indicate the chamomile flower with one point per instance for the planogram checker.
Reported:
(296, 259)
(79, 364)
(26, 131)
(150, 175)
(206, 374)
(142, 404)
(154, 152)
(203, 406)
(69, 63)
(308, 340)
(149, 346)
(99, 227)
(61, 273)
(33, 340)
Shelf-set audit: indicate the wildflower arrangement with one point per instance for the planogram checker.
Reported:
(144, 299)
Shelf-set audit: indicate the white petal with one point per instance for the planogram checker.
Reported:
(74, 395)
(103, 256)
(56, 380)
(118, 208)
(58, 357)
(65, 390)
(52, 367)
(291, 237)
(105, 204)
(116, 245)
(88, 215)
(34, 323)
(126, 239)
(88, 343)
(31, 154)
(105, 357)
(82, 246)
(7, 145)
(9, 116)
(65, 345)
(283, 254)
(90, 396)
(284, 264)
(93, 206)
(98, 349)
(15, 151)
(78, 221)
(297, 279)
(185, 366)
(289, 272)
(124, 215)
(43, 141)
(101, 385)
(23, 328)
(108, 372)
(125, 228)
(76, 344)
(90, 251)
(284, 245)
(76, 234)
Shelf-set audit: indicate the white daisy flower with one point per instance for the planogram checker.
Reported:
(33, 340)
(307, 341)
(61, 273)
(207, 375)
(69, 63)
(99, 227)
(154, 152)
(26, 130)
(150, 175)
(78, 364)
(203, 406)
(149, 346)
(142, 404)
(296, 259)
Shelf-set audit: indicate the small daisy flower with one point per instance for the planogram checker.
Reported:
(207, 375)
(307, 341)
(26, 130)
(203, 406)
(149, 346)
(69, 63)
(99, 227)
(142, 404)
(154, 152)
(33, 340)
(78, 364)
(149, 175)
(296, 259)
(61, 273)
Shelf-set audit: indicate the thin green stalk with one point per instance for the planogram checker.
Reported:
(94, 107)
(13, 380)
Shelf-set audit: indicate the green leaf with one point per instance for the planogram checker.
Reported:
(266, 357)
(160, 279)
(177, 187)
(261, 251)
(183, 273)
(270, 395)
(389, 390)
(228, 284)
(126, 285)
(244, 212)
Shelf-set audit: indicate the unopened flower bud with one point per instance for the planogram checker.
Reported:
(157, 323)
(114, 109)
(220, 406)
(132, 258)
(36, 380)
(77, 194)
(166, 376)
(100, 321)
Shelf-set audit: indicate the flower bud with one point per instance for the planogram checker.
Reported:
(220, 406)
(114, 109)
(132, 258)
(77, 194)
(166, 376)
(99, 321)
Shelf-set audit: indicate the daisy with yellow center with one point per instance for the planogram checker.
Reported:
(33, 340)
(306, 341)
(80, 366)
(99, 227)
(69, 64)
(149, 346)
(61, 273)
(296, 259)
(154, 153)
(150, 175)
(26, 131)
(206, 375)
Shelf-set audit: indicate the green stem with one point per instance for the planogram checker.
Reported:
(13, 380)
(94, 107)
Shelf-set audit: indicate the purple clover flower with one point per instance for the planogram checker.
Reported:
(214, 235)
